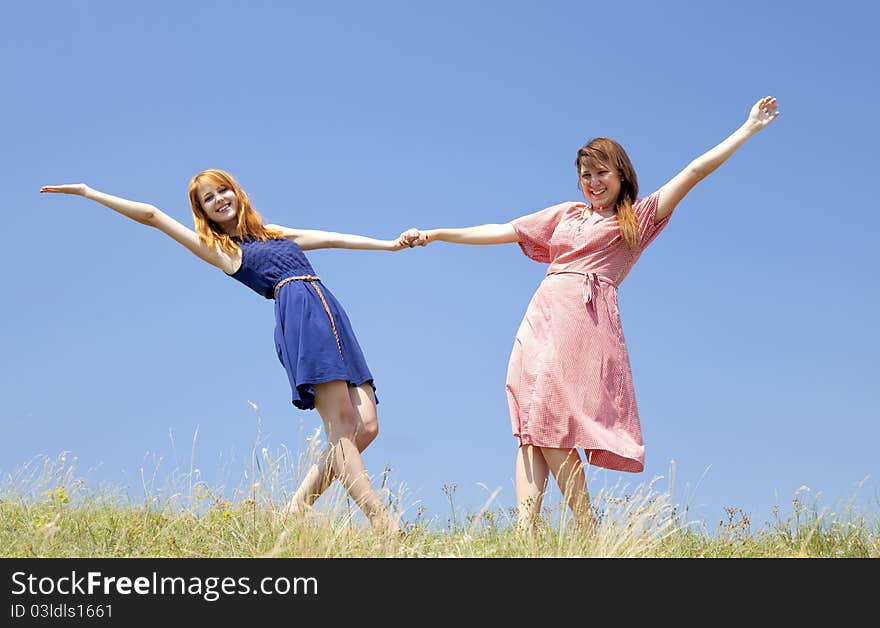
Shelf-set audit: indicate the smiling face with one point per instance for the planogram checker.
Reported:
(606, 175)
(219, 203)
(601, 185)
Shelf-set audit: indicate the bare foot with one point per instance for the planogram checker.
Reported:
(297, 508)
(384, 523)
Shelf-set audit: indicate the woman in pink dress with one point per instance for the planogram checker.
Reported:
(569, 382)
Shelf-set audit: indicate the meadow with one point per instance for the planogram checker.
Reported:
(47, 510)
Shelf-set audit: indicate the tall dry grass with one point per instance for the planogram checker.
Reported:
(48, 510)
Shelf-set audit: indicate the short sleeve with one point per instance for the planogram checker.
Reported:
(645, 210)
(535, 230)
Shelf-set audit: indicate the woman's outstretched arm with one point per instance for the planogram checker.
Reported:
(310, 239)
(480, 234)
(152, 216)
(762, 113)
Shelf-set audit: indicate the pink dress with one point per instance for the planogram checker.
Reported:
(569, 380)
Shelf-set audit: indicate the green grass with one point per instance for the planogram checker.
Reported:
(47, 511)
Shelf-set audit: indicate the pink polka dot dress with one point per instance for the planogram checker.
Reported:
(569, 380)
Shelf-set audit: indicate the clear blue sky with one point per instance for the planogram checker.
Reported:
(751, 321)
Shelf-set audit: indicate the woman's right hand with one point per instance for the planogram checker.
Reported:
(78, 189)
(763, 113)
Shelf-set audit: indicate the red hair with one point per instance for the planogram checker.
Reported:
(249, 222)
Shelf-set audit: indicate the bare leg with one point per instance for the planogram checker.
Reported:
(334, 404)
(568, 470)
(532, 473)
(320, 475)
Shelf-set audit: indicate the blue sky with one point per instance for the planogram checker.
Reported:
(751, 322)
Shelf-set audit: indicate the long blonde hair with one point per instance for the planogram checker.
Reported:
(603, 152)
(249, 222)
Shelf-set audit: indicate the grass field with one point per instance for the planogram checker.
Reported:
(47, 511)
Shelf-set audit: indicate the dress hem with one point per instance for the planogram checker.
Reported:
(598, 457)
(306, 396)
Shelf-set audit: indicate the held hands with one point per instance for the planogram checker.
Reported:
(763, 113)
(411, 238)
(78, 189)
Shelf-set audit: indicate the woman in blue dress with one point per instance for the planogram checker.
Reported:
(313, 336)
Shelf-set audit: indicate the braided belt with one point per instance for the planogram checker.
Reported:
(313, 281)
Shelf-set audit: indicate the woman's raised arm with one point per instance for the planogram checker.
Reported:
(762, 113)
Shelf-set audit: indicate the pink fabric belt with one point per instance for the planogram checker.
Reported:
(591, 281)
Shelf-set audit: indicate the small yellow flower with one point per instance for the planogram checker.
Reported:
(58, 495)
(61, 495)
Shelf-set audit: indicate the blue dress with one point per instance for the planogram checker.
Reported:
(304, 338)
